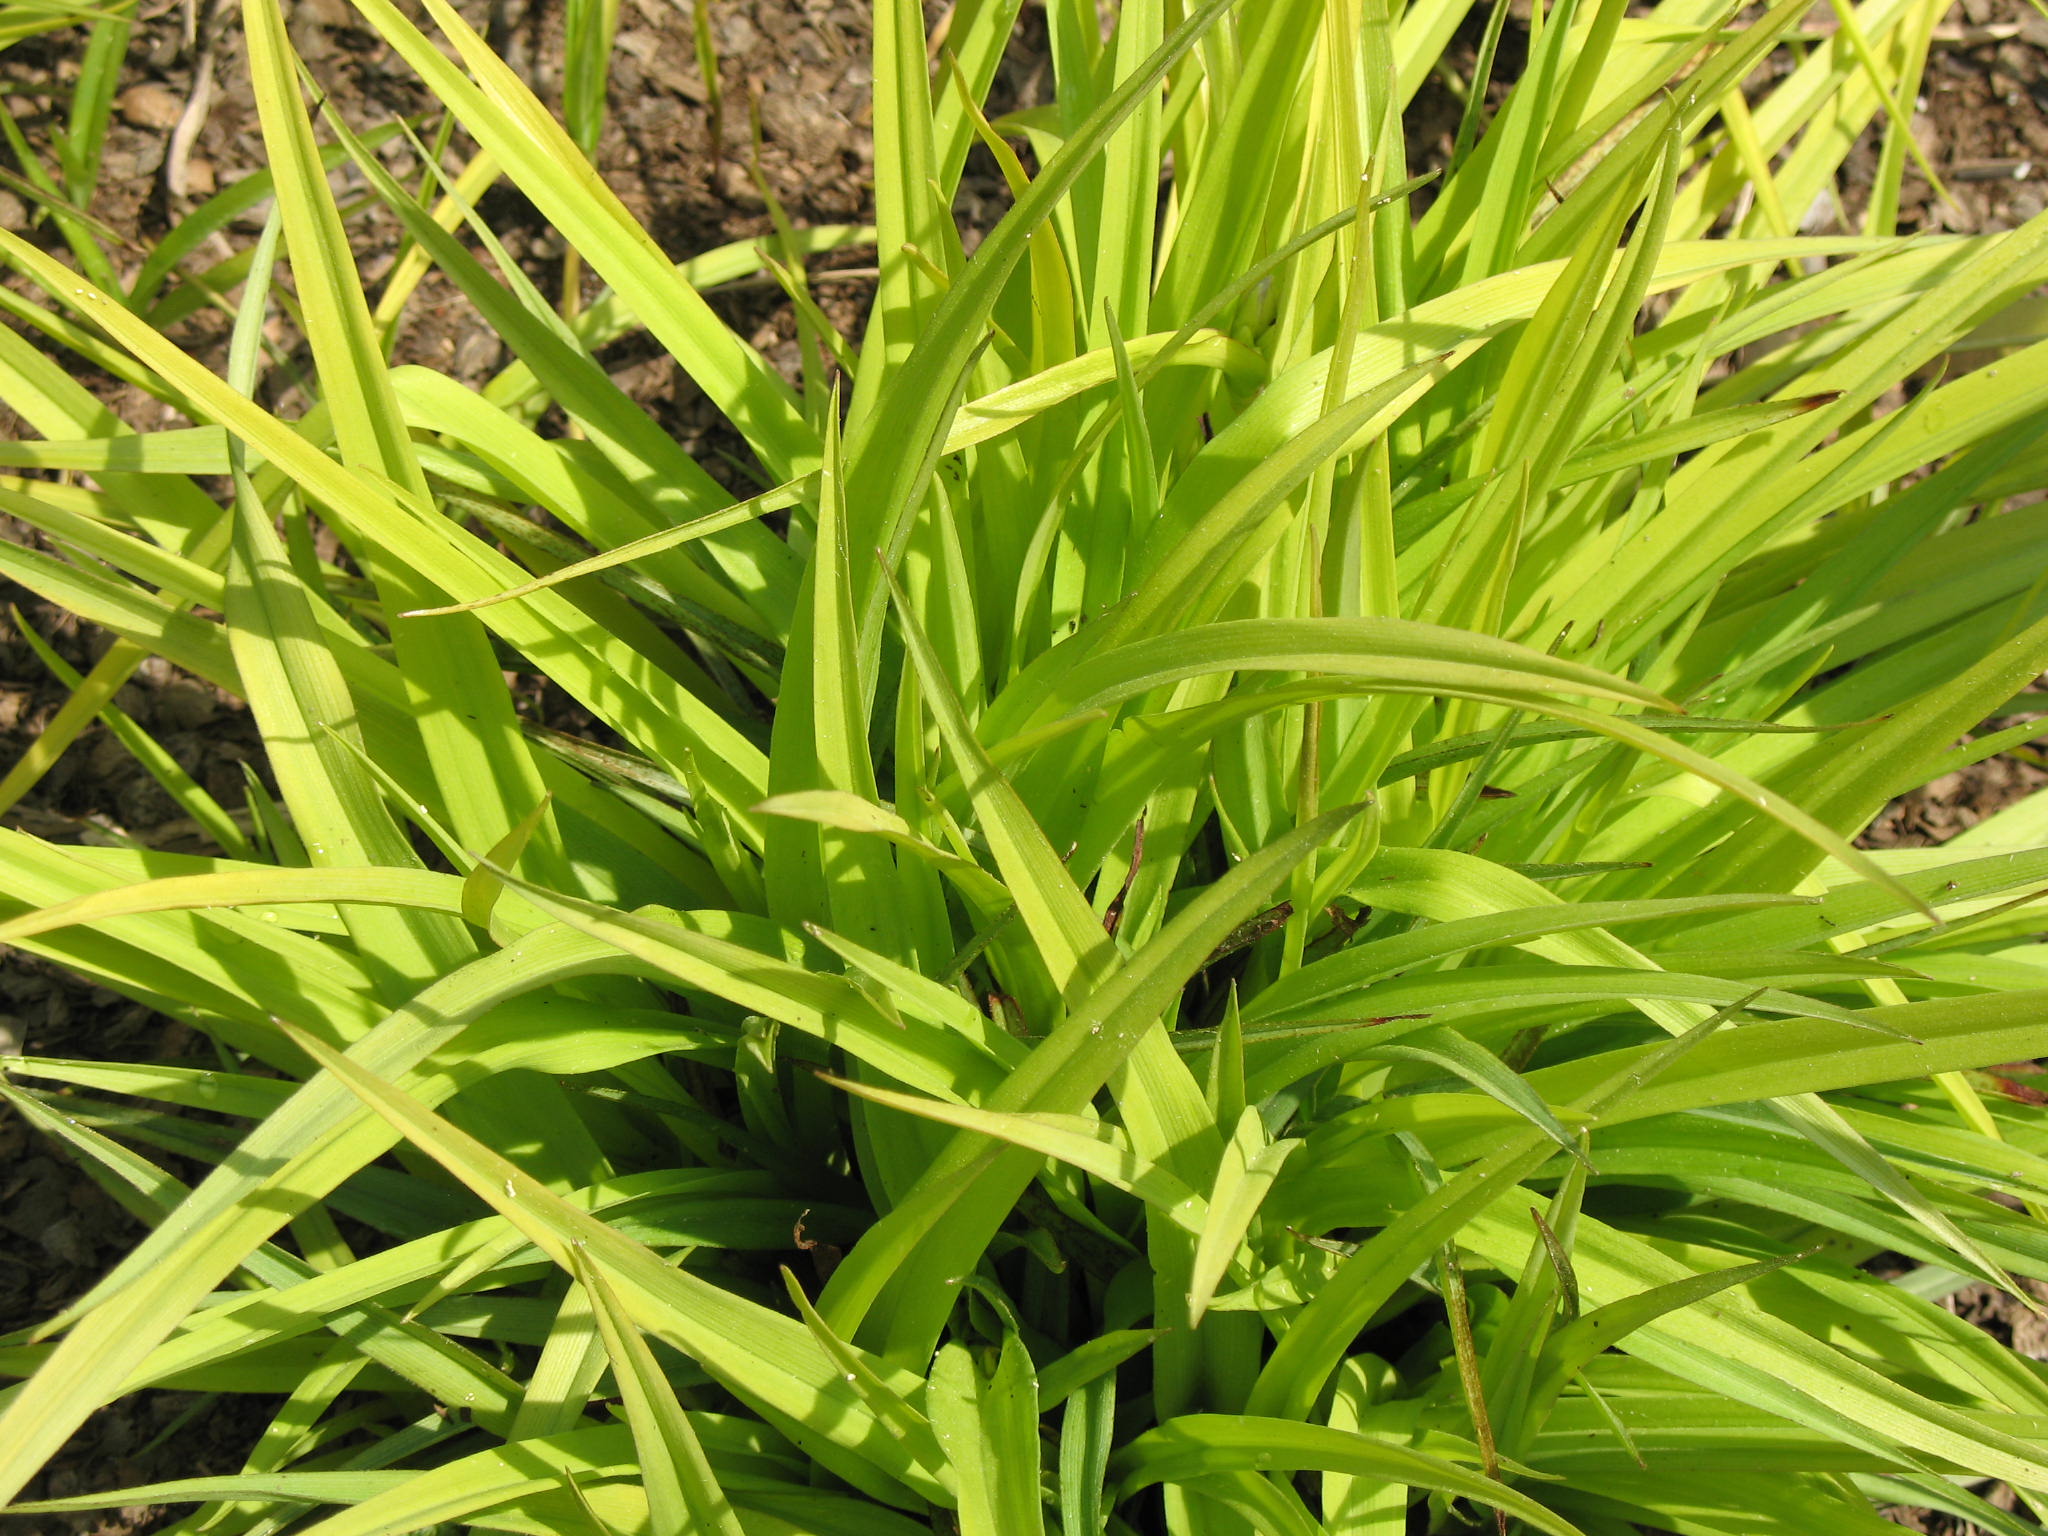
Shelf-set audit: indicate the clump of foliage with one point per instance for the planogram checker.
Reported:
(1229, 907)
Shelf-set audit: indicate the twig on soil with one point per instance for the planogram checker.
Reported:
(1994, 170)
(178, 155)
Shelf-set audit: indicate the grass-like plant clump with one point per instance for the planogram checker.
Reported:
(1229, 906)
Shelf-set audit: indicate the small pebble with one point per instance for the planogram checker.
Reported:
(150, 105)
(184, 707)
(733, 34)
(476, 354)
(640, 43)
(330, 14)
(200, 180)
(736, 186)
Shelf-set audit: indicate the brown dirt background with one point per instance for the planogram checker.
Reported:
(801, 69)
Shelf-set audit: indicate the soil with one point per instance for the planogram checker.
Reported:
(801, 67)
(1931, 815)
(680, 149)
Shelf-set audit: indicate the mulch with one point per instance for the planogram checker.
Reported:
(797, 72)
